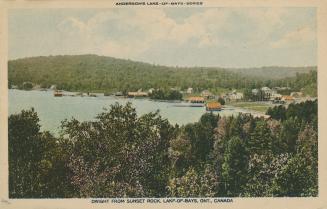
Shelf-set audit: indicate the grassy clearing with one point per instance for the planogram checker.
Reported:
(256, 106)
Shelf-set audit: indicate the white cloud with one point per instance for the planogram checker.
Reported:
(201, 26)
(132, 32)
(266, 17)
(72, 26)
(147, 27)
(261, 22)
(297, 37)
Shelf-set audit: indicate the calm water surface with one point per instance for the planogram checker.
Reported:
(52, 110)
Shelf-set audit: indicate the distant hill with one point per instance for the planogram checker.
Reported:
(273, 72)
(100, 73)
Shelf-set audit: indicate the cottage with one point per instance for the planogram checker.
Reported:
(232, 96)
(137, 94)
(255, 91)
(287, 98)
(57, 93)
(275, 96)
(236, 96)
(277, 99)
(268, 93)
(206, 94)
(213, 106)
(263, 94)
(296, 94)
(196, 99)
(265, 89)
(189, 91)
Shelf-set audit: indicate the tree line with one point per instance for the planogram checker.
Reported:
(165, 94)
(105, 74)
(120, 154)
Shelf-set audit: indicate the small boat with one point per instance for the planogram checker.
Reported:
(119, 94)
(58, 93)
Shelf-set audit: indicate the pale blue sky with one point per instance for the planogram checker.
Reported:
(225, 37)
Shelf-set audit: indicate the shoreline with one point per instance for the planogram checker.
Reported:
(238, 109)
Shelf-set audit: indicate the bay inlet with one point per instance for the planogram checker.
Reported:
(52, 110)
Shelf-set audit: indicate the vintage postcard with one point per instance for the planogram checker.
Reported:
(163, 104)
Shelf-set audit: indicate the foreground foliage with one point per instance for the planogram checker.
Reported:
(122, 155)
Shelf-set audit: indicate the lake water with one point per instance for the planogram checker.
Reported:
(52, 110)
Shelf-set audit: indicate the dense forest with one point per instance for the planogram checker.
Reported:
(163, 94)
(105, 74)
(121, 154)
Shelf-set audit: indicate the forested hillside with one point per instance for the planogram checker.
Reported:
(273, 72)
(120, 154)
(106, 74)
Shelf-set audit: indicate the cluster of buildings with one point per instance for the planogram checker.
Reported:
(268, 94)
(273, 96)
(232, 96)
(261, 94)
(228, 97)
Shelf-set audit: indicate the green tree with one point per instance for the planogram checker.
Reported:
(194, 184)
(248, 96)
(201, 137)
(277, 112)
(234, 166)
(36, 160)
(24, 154)
(180, 154)
(27, 85)
(260, 141)
(296, 179)
(288, 135)
(262, 171)
(221, 101)
(162, 94)
(125, 154)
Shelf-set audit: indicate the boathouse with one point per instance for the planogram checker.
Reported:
(196, 99)
(213, 106)
(287, 98)
(137, 94)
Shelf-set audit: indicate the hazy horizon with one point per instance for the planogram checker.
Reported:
(178, 66)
